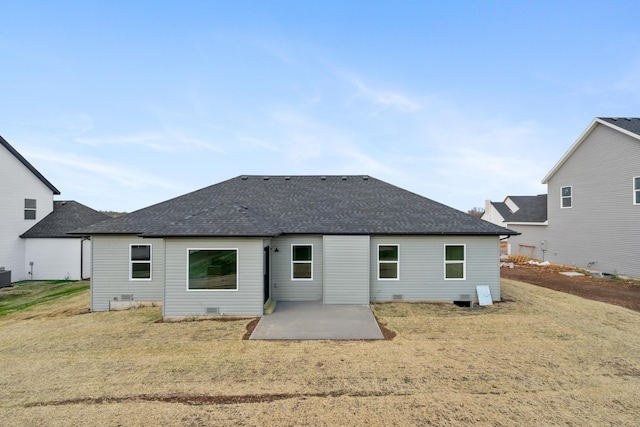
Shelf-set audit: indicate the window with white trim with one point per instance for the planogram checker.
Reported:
(212, 269)
(140, 262)
(388, 262)
(455, 267)
(301, 262)
(30, 208)
(566, 197)
(636, 190)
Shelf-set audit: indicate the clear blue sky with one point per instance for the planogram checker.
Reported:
(125, 104)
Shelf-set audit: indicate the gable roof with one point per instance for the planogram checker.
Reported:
(274, 205)
(502, 209)
(66, 216)
(28, 165)
(629, 126)
(532, 209)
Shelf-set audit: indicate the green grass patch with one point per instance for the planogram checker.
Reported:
(23, 295)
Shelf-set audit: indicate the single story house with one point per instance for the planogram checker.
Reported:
(51, 253)
(228, 248)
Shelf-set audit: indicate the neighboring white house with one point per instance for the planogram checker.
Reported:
(525, 214)
(27, 197)
(593, 205)
(51, 253)
(32, 233)
(228, 248)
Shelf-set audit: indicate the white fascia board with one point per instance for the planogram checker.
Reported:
(526, 223)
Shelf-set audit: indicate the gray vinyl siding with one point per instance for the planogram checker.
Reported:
(110, 271)
(601, 228)
(531, 235)
(346, 269)
(246, 300)
(283, 288)
(421, 269)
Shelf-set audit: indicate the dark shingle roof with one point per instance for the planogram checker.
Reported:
(532, 209)
(28, 165)
(269, 206)
(66, 216)
(502, 208)
(632, 124)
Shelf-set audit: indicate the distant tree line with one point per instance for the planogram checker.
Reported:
(113, 214)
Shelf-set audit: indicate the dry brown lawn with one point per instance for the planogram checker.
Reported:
(541, 358)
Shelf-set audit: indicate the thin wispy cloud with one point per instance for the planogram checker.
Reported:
(122, 175)
(382, 98)
(259, 143)
(159, 141)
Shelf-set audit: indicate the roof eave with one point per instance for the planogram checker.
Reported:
(28, 165)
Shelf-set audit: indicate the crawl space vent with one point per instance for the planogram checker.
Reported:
(212, 310)
(397, 297)
(126, 297)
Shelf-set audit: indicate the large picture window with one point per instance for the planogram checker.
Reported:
(636, 190)
(388, 262)
(566, 197)
(454, 262)
(213, 269)
(301, 262)
(140, 262)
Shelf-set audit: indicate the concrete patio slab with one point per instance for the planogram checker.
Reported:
(312, 320)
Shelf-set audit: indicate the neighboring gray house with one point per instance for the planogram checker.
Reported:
(51, 253)
(227, 248)
(593, 204)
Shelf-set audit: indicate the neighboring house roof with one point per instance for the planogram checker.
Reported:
(502, 209)
(532, 209)
(28, 165)
(273, 205)
(66, 216)
(629, 126)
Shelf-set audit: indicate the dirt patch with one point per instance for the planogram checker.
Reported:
(250, 327)
(387, 333)
(623, 293)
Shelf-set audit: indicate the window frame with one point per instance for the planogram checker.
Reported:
(463, 261)
(237, 288)
(293, 262)
(397, 262)
(132, 261)
(636, 190)
(569, 197)
(30, 209)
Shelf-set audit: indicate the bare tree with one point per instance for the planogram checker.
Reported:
(477, 212)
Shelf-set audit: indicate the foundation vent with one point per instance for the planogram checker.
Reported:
(397, 297)
(126, 297)
(465, 297)
(212, 310)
